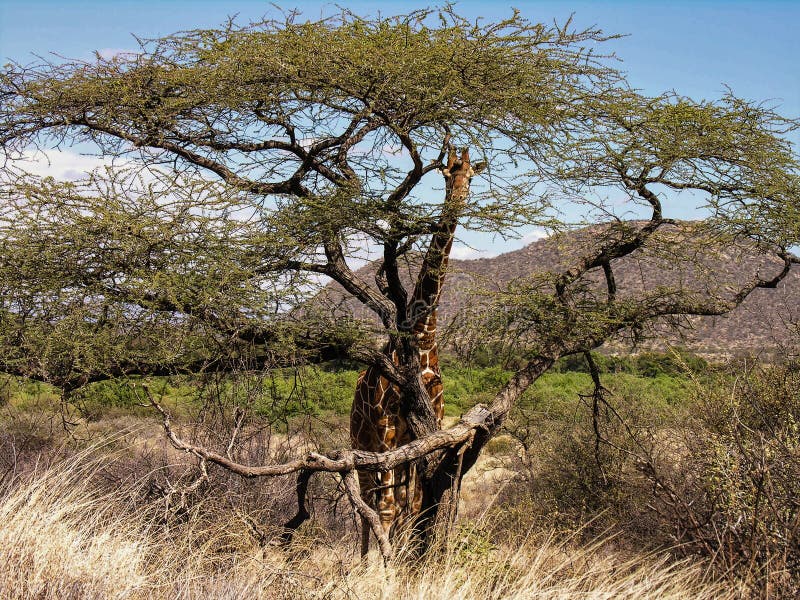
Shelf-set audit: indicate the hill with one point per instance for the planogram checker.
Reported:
(681, 257)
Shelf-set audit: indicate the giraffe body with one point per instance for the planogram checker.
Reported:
(376, 420)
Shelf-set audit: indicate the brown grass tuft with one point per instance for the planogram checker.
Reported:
(62, 539)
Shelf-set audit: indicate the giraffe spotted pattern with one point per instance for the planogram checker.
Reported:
(376, 420)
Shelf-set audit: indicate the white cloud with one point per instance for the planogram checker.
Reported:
(533, 236)
(61, 164)
(461, 252)
(109, 53)
(485, 247)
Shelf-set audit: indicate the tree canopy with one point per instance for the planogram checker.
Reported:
(250, 164)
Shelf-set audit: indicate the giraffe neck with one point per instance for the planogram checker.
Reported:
(428, 292)
(434, 266)
(424, 330)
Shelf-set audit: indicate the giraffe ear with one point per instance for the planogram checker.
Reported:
(479, 167)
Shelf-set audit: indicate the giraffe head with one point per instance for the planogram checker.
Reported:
(459, 172)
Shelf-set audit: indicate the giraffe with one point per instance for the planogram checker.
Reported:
(376, 422)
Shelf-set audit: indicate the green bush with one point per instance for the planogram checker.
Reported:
(676, 362)
(576, 480)
(709, 466)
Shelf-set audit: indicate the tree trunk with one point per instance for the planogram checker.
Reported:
(441, 485)
(440, 494)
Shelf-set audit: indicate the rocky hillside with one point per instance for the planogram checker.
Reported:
(679, 258)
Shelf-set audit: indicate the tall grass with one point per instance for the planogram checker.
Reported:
(61, 538)
(58, 539)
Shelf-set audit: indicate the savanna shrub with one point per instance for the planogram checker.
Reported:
(577, 480)
(734, 492)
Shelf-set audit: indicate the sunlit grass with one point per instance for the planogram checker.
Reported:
(62, 539)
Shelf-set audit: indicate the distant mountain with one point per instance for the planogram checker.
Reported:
(677, 257)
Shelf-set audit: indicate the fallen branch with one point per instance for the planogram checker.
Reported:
(343, 460)
(369, 515)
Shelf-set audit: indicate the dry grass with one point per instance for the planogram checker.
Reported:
(62, 539)
(59, 540)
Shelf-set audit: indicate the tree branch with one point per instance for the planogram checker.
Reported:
(338, 461)
(338, 269)
(369, 515)
(289, 186)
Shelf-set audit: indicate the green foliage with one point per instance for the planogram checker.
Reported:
(111, 394)
(252, 156)
(655, 378)
(557, 395)
(311, 389)
(676, 362)
(327, 389)
(465, 387)
(24, 393)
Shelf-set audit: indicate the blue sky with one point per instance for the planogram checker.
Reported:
(695, 48)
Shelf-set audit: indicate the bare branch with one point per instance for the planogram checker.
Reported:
(339, 270)
(338, 461)
(370, 516)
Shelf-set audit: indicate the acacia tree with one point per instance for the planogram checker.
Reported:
(250, 164)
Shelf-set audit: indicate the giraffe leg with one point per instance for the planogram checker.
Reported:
(364, 537)
(416, 490)
(407, 504)
(408, 497)
(366, 484)
(386, 502)
(401, 491)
